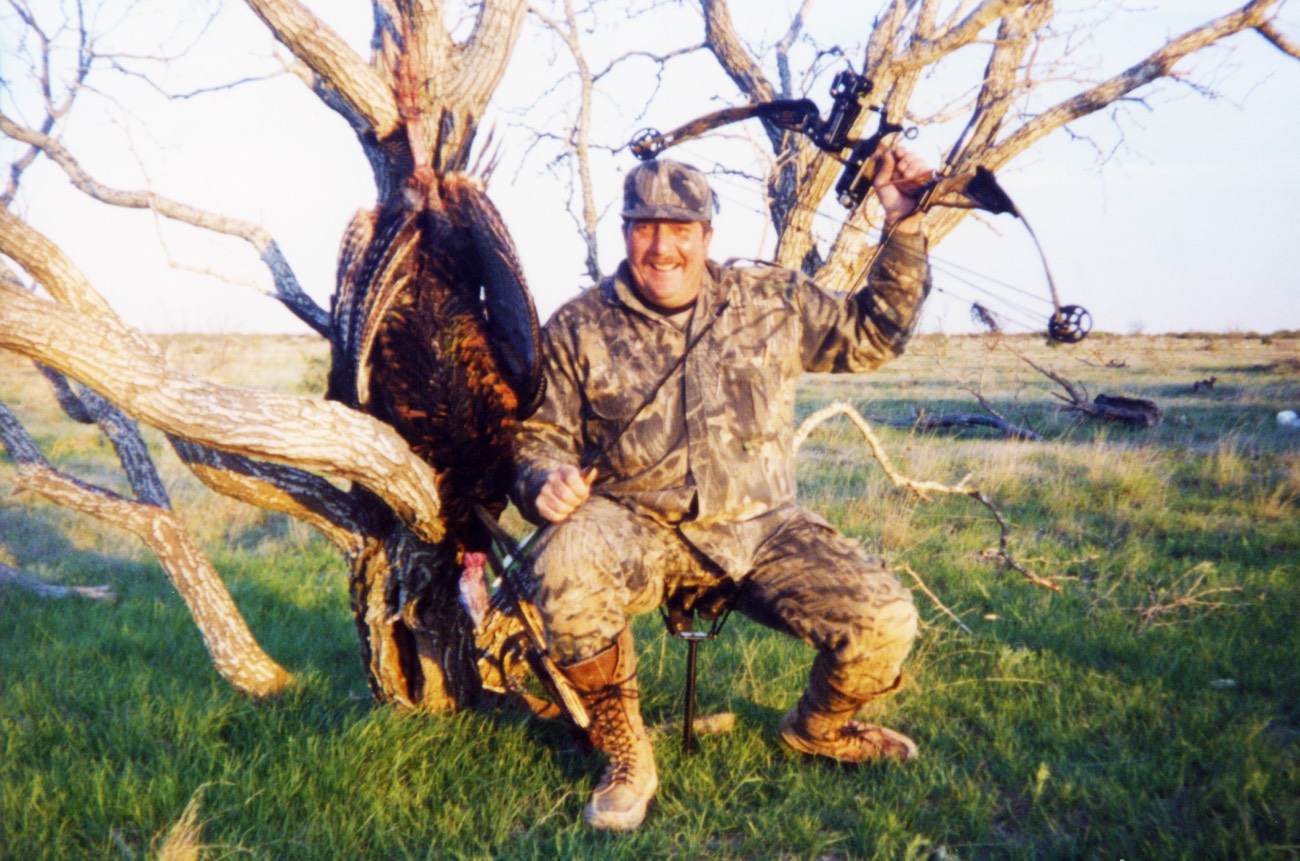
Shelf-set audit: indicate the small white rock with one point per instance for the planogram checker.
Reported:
(1288, 419)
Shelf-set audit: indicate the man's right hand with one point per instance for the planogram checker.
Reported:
(565, 489)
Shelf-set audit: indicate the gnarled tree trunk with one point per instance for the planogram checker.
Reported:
(422, 449)
(415, 108)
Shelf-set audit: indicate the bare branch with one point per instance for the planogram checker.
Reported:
(69, 401)
(1157, 65)
(1002, 552)
(338, 67)
(958, 34)
(131, 450)
(236, 654)
(884, 33)
(1279, 39)
(928, 421)
(721, 37)
(53, 112)
(922, 489)
(276, 487)
(47, 263)
(482, 58)
(46, 589)
(580, 140)
(1015, 35)
(1183, 599)
(287, 289)
(660, 58)
(920, 584)
(785, 43)
(316, 435)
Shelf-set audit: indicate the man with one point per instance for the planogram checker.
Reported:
(660, 461)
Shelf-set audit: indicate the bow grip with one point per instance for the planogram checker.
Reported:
(860, 169)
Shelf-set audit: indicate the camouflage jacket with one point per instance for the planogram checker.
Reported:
(709, 448)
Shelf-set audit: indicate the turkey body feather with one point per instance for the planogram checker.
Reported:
(434, 332)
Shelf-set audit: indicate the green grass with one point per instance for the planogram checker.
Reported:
(1151, 710)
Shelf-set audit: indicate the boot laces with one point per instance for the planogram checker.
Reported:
(612, 732)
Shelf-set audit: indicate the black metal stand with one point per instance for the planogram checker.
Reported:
(688, 728)
(681, 625)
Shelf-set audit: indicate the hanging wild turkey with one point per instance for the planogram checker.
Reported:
(434, 332)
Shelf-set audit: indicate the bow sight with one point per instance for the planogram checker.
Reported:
(847, 90)
(973, 190)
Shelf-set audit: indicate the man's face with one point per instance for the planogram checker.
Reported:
(667, 259)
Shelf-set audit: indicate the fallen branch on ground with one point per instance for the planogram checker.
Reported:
(935, 598)
(925, 422)
(1135, 412)
(46, 589)
(1166, 601)
(922, 489)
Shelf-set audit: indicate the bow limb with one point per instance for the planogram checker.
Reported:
(790, 114)
(980, 190)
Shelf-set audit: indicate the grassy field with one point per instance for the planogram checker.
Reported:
(1150, 710)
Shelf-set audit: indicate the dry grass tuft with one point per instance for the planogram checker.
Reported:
(1231, 469)
(183, 841)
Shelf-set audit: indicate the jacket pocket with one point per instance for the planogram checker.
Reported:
(748, 388)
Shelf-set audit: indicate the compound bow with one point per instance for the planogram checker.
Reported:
(978, 189)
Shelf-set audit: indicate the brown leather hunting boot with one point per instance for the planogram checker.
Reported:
(606, 682)
(822, 723)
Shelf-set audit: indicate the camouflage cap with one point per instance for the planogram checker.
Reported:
(667, 189)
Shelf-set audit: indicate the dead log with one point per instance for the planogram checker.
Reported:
(1135, 412)
(926, 422)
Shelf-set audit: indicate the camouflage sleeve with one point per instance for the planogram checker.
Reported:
(552, 436)
(875, 323)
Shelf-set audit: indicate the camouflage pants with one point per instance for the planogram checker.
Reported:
(605, 563)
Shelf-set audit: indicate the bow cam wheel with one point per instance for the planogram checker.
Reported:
(1070, 324)
(646, 144)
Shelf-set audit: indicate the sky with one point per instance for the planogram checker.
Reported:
(1188, 224)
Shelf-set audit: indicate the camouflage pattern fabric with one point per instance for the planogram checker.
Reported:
(813, 583)
(602, 564)
(607, 562)
(699, 451)
(667, 189)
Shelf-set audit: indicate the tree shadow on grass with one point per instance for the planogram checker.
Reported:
(40, 547)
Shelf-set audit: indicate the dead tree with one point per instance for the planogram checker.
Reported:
(433, 359)
(907, 39)
(1121, 409)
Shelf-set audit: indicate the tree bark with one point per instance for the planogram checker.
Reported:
(415, 107)
(310, 434)
(419, 648)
